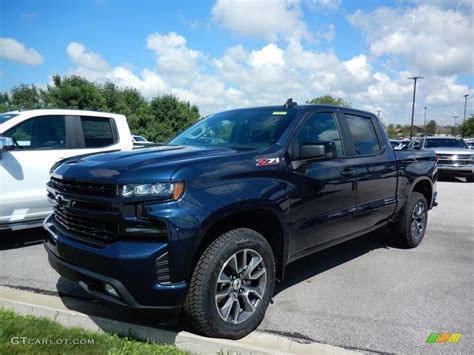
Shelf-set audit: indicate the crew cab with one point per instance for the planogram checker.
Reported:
(32, 141)
(455, 157)
(208, 222)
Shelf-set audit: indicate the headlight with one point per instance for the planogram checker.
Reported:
(172, 191)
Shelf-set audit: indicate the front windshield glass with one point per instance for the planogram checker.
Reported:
(240, 129)
(445, 142)
(4, 117)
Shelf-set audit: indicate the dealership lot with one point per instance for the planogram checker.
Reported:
(364, 294)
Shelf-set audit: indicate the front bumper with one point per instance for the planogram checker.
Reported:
(456, 169)
(127, 266)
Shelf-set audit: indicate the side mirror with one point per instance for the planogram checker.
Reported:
(317, 150)
(6, 143)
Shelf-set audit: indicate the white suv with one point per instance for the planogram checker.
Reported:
(31, 142)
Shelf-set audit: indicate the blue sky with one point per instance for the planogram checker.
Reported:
(222, 54)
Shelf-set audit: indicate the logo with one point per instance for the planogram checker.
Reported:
(62, 201)
(442, 338)
(267, 161)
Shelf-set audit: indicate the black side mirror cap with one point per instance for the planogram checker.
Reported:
(317, 150)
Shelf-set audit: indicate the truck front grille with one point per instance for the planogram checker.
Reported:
(91, 230)
(71, 186)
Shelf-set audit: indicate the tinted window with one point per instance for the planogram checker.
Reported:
(320, 127)
(363, 135)
(45, 132)
(97, 132)
(445, 142)
(240, 129)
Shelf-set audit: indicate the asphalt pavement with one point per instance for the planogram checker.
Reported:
(364, 294)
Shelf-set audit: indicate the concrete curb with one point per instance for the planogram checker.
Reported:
(54, 308)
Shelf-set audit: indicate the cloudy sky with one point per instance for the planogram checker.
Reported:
(234, 53)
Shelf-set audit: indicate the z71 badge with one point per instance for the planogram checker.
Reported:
(267, 161)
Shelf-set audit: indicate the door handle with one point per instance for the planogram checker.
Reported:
(347, 172)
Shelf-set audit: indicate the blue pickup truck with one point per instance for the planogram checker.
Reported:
(206, 224)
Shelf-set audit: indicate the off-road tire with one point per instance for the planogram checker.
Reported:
(200, 307)
(402, 231)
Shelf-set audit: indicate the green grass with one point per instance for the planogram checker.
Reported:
(26, 334)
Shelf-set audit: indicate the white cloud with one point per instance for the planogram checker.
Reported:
(83, 58)
(16, 51)
(264, 19)
(175, 60)
(431, 40)
(330, 5)
(268, 55)
(271, 74)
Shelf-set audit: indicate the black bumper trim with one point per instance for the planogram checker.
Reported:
(81, 276)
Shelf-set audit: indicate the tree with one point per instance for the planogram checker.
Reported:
(158, 119)
(391, 131)
(74, 93)
(431, 127)
(329, 100)
(5, 104)
(22, 97)
(466, 129)
(169, 116)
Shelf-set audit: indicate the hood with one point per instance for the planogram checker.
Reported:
(140, 165)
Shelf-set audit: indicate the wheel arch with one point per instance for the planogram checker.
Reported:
(262, 219)
(425, 187)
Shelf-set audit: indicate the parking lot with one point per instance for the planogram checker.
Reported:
(364, 294)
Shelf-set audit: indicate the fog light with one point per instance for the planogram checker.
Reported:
(111, 290)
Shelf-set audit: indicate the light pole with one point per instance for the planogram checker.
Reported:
(455, 130)
(424, 122)
(464, 118)
(414, 78)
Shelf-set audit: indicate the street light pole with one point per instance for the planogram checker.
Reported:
(464, 118)
(414, 78)
(424, 122)
(455, 124)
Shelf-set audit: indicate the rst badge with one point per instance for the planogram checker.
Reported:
(267, 161)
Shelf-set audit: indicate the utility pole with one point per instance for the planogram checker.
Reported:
(455, 124)
(414, 78)
(424, 124)
(464, 118)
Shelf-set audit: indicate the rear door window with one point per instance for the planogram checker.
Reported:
(98, 132)
(363, 135)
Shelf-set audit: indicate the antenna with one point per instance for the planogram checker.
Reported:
(290, 103)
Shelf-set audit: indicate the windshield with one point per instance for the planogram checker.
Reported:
(4, 117)
(241, 129)
(445, 142)
(139, 139)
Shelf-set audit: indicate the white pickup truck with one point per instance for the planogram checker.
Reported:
(31, 142)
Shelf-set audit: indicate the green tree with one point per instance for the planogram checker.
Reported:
(169, 116)
(22, 96)
(391, 131)
(329, 100)
(5, 104)
(74, 93)
(431, 127)
(466, 129)
(158, 119)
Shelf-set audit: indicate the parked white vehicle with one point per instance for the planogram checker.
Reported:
(31, 142)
